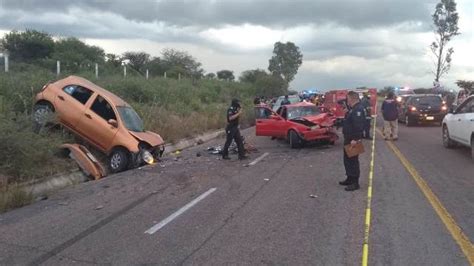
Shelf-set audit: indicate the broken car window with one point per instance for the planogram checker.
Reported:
(79, 93)
(262, 113)
(302, 111)
(130, 118)
(102, 108)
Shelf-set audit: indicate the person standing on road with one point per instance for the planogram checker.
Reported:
(390, 117)
(368, 118)
(352, 130)
(285, 101)
(232, 131)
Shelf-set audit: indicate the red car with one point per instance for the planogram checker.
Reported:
(298, 123)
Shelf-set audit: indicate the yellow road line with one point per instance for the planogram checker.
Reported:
(456, 232)
(365, 246)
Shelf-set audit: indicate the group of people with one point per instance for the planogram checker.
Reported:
(355, 123)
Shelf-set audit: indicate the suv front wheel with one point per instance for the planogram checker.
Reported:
(118, 160)
(447, 142)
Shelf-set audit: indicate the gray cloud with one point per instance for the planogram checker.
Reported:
(215, 13)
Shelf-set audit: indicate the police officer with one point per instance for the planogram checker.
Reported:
(352, 130)
(232, 131)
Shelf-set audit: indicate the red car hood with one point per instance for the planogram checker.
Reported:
(149, 137)
(323, 119)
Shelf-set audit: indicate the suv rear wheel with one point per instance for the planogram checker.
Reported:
(42, 113)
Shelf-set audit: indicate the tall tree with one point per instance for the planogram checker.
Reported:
(181, 62)
(28, 46)
(113, 59)
(252, 75)
(286, 60)
(74, 54)
(445, 19)
(225, 75)
(137, 60)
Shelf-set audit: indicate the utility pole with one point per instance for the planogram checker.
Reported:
(124, 71)
(5, 56)
(147, 74)
(58, 68)
(96, 71)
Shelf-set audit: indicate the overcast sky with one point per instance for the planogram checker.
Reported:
(345, 43)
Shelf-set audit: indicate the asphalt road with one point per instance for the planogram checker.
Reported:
(255, 214)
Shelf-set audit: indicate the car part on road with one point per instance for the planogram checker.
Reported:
(89, 165)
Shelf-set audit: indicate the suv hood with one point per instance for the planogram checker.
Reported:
(149, 137)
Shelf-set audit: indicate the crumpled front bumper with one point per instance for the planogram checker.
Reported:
(137, 157)
(324, 134)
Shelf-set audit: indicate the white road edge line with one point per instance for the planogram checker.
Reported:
(173, 216)
(259, 159)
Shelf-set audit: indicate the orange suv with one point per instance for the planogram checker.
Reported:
(101, 118)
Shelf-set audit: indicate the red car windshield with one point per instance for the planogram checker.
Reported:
(302, 111)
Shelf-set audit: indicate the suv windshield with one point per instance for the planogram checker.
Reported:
(427, 100)
(302, 111)
(130, 118)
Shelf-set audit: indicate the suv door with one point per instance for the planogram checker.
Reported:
(94, 123)
(71, 103)
(464, 122)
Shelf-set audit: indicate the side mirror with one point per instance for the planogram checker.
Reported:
(113, 122)
(275, 117)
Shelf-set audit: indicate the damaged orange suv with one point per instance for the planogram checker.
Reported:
(101, 118)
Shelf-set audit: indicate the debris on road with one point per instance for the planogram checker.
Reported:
(42, 197)
(88, 163)
(313, 196)
(99, 207)
(198, 154)
(266, 179)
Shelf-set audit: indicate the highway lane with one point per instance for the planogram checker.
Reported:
(260, 214)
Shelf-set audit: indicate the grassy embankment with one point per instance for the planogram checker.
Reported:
(174, 109)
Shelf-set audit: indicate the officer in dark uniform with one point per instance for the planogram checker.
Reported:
(232, 130)
(352, 130)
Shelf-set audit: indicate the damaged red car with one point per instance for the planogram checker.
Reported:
(298, 123)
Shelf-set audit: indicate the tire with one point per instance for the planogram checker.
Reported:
(408, 121)
(118, 160)
(42, 113)
(295, 140)
(447, 142)
(472, 149)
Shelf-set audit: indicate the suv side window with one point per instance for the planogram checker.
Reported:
(103, 109)
(79, 93)
(467, 108)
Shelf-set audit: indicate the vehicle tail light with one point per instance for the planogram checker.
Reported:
(413, 108)
(444, 108)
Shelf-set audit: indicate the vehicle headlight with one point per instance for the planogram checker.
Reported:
(315, 127)
(147, 157)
